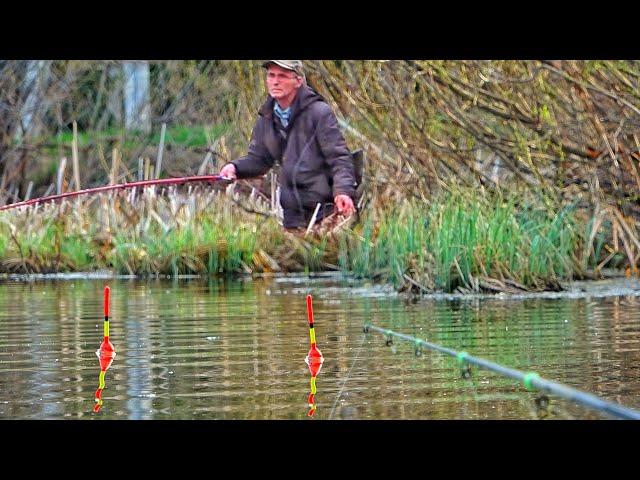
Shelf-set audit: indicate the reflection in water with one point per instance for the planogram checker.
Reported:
(106, 353)
(315, 364)
(106, 359)
(314, 358)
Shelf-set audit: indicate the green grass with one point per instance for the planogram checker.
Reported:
(190, 136)
(464, 236)
(449, 243)
(179, 135)
(201, 247)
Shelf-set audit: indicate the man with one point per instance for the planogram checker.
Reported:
(297, 128)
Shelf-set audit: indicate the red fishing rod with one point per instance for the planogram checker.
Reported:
(314, 358)
(105, 353)
(120, 186)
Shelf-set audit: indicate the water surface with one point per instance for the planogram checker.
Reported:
(235, 349)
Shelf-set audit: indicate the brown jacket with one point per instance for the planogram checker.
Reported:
(316, 163)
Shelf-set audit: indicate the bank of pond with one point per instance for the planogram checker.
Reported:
(459, 242)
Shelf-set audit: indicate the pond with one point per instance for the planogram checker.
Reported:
(235, 349)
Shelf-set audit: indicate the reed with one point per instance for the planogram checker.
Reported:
(465, 240)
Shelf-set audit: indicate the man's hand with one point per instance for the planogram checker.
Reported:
(229, 171)
(344, 205)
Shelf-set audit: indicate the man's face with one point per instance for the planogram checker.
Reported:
(282, 84)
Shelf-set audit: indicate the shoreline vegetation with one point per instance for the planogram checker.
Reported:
(481, 176)
(465, 241)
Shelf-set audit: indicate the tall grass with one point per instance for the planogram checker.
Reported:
(48, 247)
(464, 239)
(201, 232)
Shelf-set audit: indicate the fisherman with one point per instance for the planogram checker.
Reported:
(297, 129)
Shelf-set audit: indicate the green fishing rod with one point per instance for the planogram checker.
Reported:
(531, 380)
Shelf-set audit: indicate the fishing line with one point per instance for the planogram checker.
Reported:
(364, 336)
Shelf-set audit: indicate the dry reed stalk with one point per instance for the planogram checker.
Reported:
(160, 151)
(3, 184)
(205, 163)
(627, 247)
(115, 166)
(61, 169)
(74, 153)
(598, 218)
(313, 219)
(625, 227)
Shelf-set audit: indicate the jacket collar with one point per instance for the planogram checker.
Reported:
(305, 97)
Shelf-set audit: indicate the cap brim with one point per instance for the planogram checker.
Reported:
(280, 64)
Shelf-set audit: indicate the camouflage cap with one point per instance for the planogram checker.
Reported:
(293, 65)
